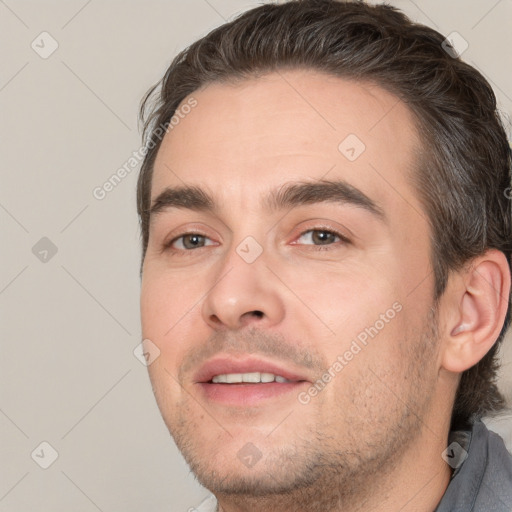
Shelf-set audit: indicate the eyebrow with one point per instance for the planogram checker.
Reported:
(286, 196)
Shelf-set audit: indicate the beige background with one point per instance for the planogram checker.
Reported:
(70, 324)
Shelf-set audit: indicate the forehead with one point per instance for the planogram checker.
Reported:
(242, 140)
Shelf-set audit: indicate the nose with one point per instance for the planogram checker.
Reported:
(243, 294)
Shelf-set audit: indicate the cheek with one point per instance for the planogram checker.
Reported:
(346, 300)
(366, 316)
(169, 312)
(167, 300)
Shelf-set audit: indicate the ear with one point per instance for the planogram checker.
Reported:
(476, 310)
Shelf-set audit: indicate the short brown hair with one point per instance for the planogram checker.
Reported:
(464, 173)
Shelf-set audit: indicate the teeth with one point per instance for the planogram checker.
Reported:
(253, 377)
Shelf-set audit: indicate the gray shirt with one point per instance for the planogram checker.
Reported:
(482, 477)
(483, 481)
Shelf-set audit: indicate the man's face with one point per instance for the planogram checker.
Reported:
(290, 285)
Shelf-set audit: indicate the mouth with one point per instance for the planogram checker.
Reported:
(247, 382)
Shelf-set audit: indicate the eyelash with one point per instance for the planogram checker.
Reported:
(328, 247)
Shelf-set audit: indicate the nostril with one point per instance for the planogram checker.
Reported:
(259, 314)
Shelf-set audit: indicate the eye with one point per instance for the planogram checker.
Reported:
(188, 241)
(318, 237)
(321, 237)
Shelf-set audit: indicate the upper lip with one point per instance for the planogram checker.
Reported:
(220, 365)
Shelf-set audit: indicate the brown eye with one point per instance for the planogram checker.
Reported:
(189, 241)
(320, 237)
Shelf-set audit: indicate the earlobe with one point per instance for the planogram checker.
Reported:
(480, 301)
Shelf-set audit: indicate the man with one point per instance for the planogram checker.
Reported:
(326, 263)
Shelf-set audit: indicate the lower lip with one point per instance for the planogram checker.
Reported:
(245, 394)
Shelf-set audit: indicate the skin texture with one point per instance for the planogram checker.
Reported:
(372, 438)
